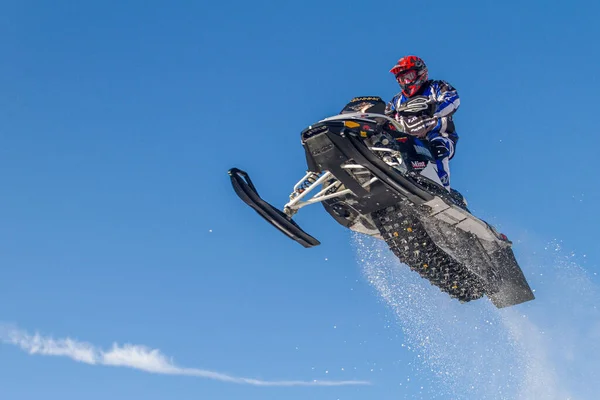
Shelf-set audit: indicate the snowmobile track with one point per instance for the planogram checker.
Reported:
(408, 240)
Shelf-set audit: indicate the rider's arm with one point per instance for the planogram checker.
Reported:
(447, 98)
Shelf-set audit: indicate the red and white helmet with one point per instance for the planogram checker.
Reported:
(410, 72)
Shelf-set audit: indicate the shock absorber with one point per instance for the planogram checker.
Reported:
(312, 178)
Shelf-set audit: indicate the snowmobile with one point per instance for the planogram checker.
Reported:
(373, 178)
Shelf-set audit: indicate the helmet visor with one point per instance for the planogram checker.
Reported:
(406, 77)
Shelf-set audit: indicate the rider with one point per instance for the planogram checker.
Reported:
(439, 97)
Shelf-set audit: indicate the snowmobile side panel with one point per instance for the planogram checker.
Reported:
(308, 134)
(323, 154)
(359, 152)
(328, 151)
(328, 147)
(244, 188)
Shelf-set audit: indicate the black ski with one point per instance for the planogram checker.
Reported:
(245, 189)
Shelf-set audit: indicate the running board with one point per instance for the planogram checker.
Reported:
(244, 188)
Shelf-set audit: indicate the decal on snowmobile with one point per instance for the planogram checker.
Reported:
(365, 99)
(313, 131)
(320, 150)
(360, 106)
(366, 184)
(418, 164)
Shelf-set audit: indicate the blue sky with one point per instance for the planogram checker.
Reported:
(119, 121)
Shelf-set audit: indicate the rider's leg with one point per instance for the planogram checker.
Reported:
(442, 149)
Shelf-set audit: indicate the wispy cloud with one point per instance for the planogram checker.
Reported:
(133, 356)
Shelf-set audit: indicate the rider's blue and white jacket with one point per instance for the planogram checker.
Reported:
(446, 100)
